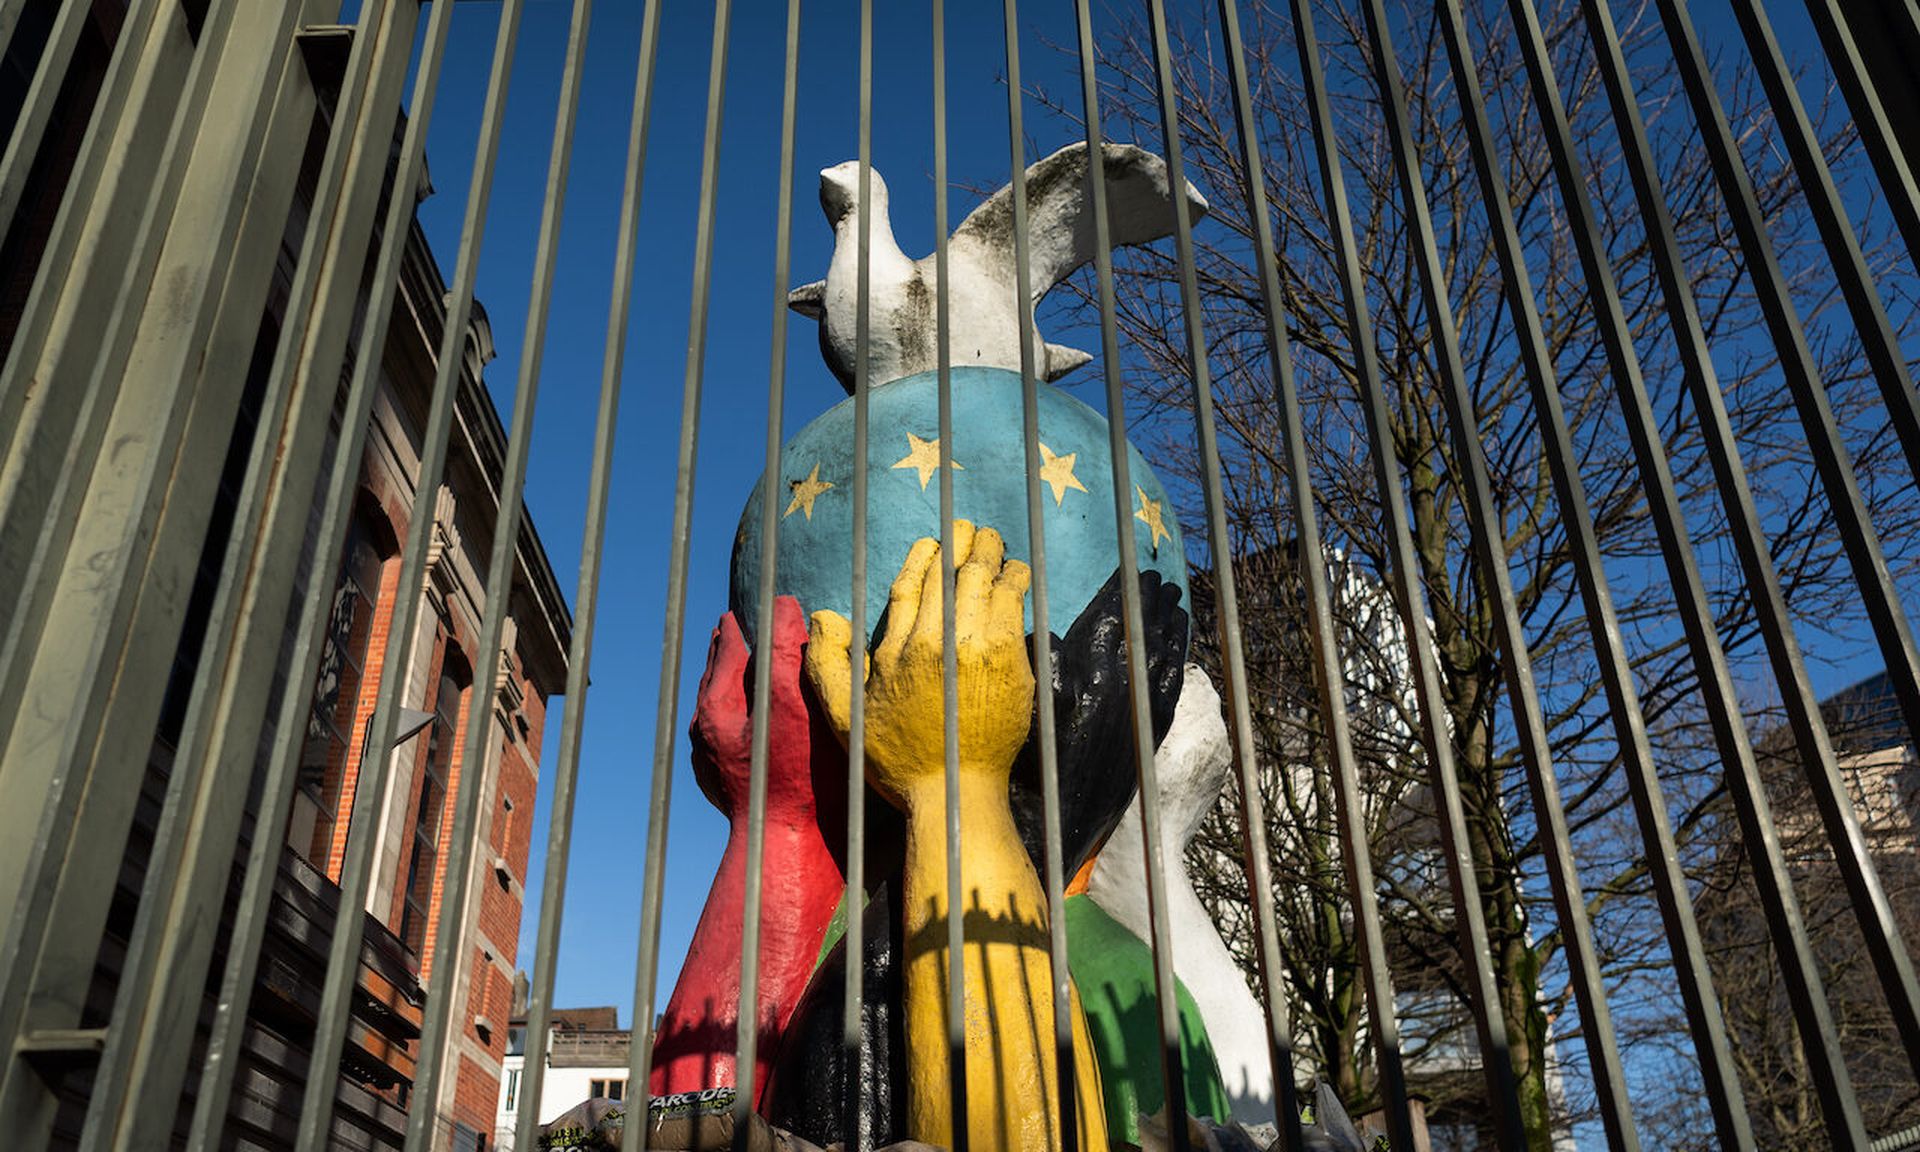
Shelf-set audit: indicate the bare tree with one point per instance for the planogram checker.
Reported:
(1321, 952)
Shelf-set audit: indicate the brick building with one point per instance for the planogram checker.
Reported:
(446, 677)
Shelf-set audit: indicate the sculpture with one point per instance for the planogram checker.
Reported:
(1113, 970)
(813, 1091)
(902, 1083)
(1193, 764)
(981, 286)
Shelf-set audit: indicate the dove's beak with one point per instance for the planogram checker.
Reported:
(839, 186)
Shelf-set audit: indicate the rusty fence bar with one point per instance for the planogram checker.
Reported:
(195, 354)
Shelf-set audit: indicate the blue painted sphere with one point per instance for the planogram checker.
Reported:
(989, 488)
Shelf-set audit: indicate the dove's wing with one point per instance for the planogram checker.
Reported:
(1060, 214)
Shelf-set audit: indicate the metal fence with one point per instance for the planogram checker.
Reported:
(122, 381)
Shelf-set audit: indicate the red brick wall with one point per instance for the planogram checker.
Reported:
(476, 1096)
(443, 645)
(490, 991)
(510, 832)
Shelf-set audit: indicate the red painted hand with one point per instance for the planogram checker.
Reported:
(802, 878)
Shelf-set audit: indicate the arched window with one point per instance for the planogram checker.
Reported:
(329, 753)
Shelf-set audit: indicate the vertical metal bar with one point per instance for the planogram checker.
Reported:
(1488, 534)
(122, 111)
(138, 523)
(74, 318)
(1870, 116)
(1757, 829)
(9, 20)
(1044, 727)
(856, 898)
(23, 143)
(949, 650)
(667, 721)
(1862, 545)
(747, 1059)
(76, 314)
(1636, 753)
(1470, 912)
(1877, 338)
(269, 827)
(356, 872)
(1220, 549)
(1171, 1058)
(145, 1061)
(1695, 612)
(585, 613)
(454, 919)
(1407, 591)
(1802, 374)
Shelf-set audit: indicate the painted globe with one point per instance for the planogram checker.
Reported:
(815, 547)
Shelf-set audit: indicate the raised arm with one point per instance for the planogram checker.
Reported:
(802, 879)
(1012, 1085)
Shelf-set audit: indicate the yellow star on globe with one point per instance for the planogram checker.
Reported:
(923, 456)
(1149, 513)
(1057, 472)
(805, 492)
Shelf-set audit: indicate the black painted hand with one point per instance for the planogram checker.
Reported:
(1093, 729)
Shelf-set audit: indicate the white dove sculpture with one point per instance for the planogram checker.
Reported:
(1192, 764)
(981, 286)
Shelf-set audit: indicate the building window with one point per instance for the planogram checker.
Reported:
(423, 858)
(324, 759)
(607, 1089)
(512, 1095)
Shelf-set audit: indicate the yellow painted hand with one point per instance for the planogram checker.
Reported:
(904, 724)
(1012, 1086)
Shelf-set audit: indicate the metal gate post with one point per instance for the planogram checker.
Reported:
(94, 684)
(188, 874)
(51, 399)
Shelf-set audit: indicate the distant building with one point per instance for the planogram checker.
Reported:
(1875, 754)
(446, 674)
(587, 1054)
